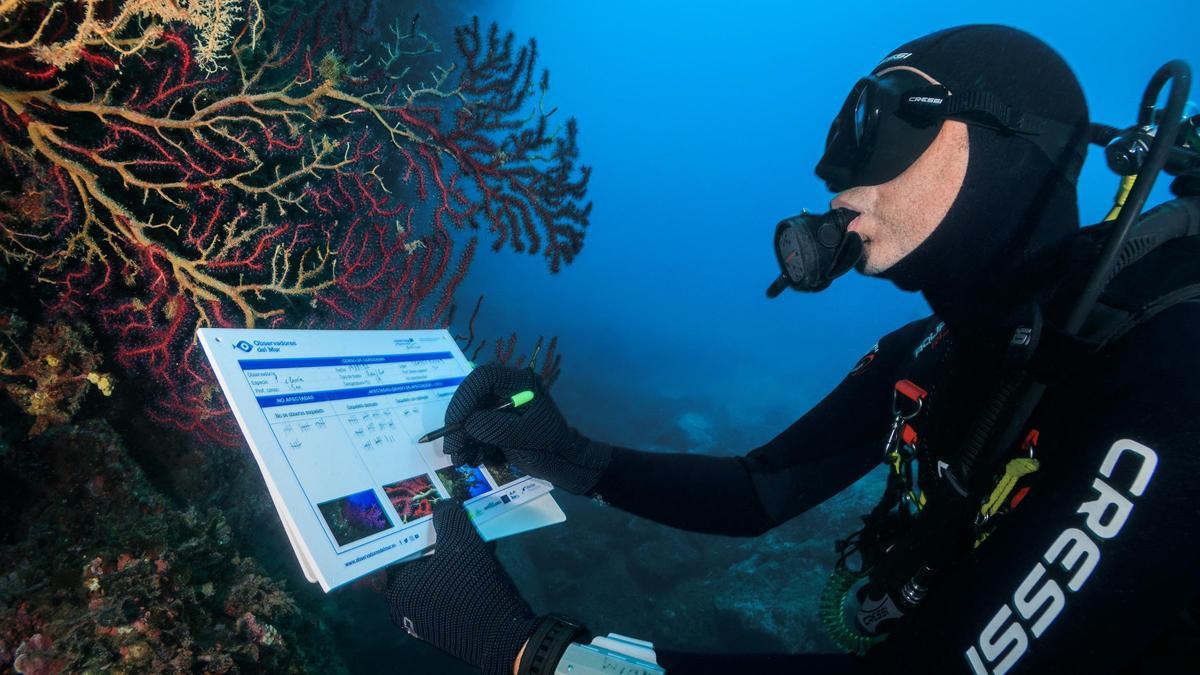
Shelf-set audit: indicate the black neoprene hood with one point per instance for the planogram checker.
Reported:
(1015, 203)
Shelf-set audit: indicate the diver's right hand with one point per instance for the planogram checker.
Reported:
(534, 437)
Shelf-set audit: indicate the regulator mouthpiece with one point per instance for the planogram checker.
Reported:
(814, 249)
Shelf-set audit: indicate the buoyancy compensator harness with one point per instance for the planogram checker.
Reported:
(1123, 276)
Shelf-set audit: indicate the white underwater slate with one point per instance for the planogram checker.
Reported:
(332, 418)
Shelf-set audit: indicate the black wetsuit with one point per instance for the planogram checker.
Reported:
(1093, 571)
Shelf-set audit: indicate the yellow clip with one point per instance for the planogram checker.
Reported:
(1119, 199)
(919, 502)
(1014, 471)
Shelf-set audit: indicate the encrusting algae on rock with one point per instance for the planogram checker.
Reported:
(49, 373)
(104, 575)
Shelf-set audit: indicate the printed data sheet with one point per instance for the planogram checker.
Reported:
(333, 418)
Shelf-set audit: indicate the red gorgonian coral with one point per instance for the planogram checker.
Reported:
(235, 163)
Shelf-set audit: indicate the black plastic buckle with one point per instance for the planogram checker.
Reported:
(550, 639)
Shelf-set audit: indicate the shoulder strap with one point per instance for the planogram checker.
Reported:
(1158, 267)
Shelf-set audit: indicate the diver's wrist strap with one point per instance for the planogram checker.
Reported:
(546, 646)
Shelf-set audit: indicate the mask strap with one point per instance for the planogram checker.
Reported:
(982, 107)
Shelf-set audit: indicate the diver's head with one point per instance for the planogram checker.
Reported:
(960, 151)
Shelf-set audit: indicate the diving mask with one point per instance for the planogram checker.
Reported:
(888, 121)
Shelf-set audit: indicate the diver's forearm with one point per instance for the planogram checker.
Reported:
(701, 493)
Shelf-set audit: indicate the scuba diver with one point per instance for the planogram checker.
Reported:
(1042, 521)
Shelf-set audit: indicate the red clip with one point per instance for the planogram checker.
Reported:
(1031, 440)
(1018, 497)
(911, 390)
(909, 435)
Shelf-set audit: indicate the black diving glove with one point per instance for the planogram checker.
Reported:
(535, 437)
(460, 599)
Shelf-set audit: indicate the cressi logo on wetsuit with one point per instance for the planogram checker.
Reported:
(1039, 598)
(1041, 591)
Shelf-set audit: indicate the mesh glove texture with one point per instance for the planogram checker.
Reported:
(535, 437)
(460, 599)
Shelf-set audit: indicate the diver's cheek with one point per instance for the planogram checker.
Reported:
(877, 257)
(863, 264)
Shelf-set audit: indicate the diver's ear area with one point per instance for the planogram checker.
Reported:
(1012, 203)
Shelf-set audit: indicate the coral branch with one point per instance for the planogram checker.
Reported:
(176, 165)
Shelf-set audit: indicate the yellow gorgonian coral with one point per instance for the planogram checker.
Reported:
(137, 24)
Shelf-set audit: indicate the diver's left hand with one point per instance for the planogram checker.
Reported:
(460, 599)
